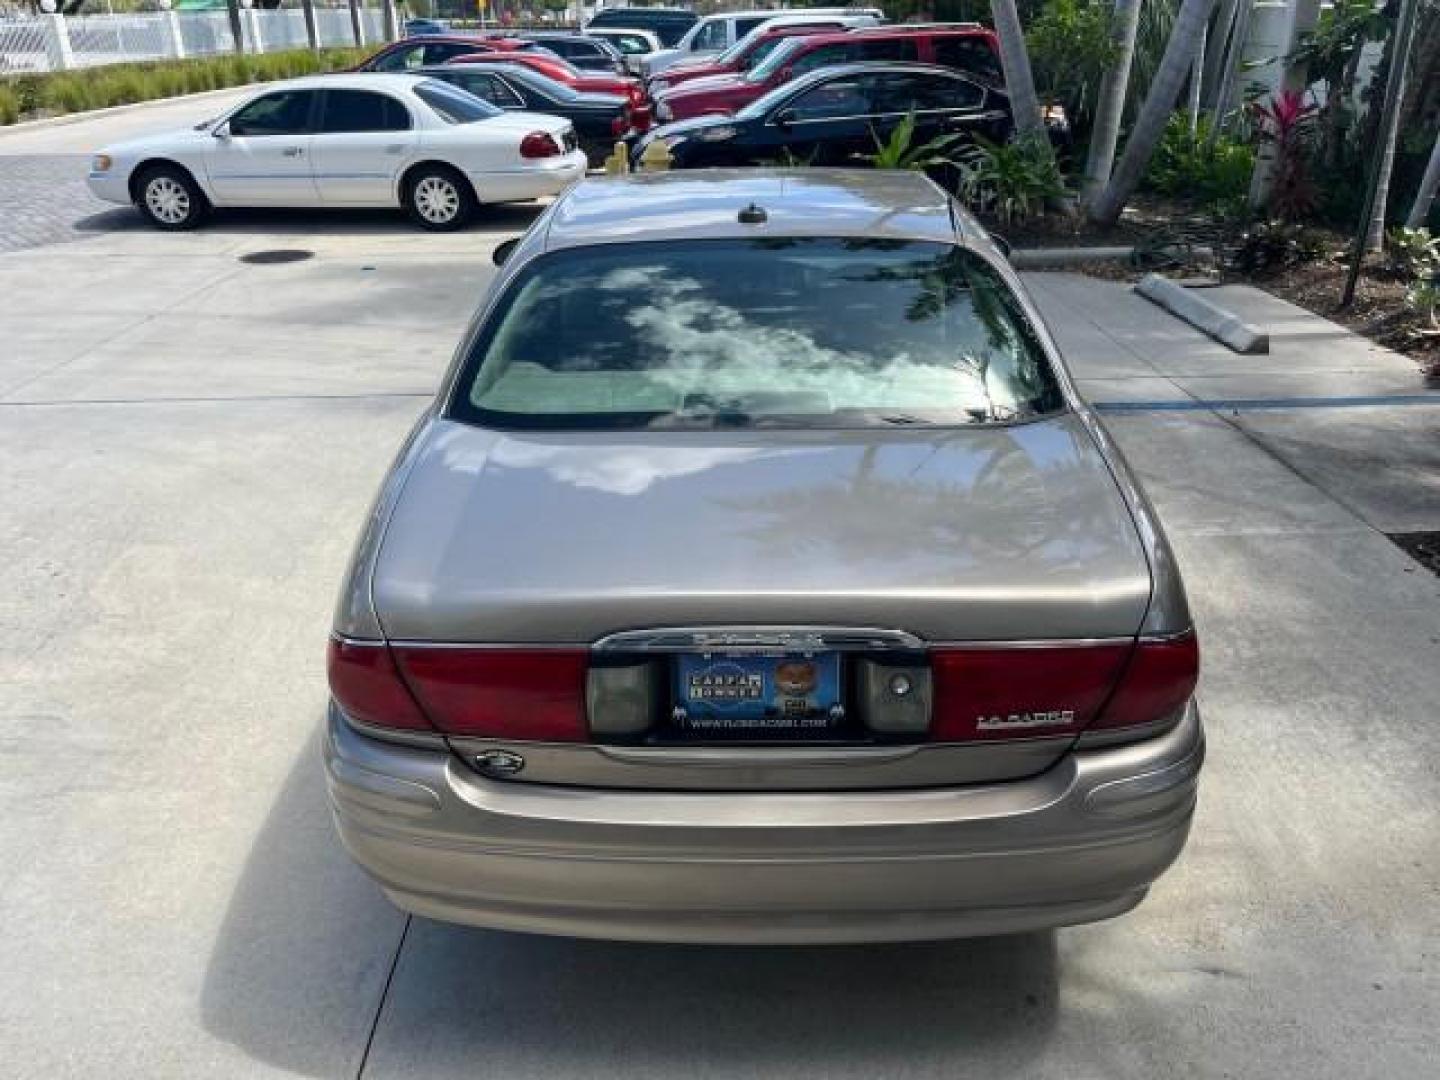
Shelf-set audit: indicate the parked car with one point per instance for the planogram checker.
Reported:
(966, 47)
(667, 24)
(758, 575)
(739, 58)
(831, 116)
(633, 45)
(585, 53)
(345, 141)
(562, 72)
(425, 27)
(410, 53)
(599, 119)
(714, 34)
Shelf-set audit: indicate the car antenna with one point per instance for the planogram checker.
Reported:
(754, 214)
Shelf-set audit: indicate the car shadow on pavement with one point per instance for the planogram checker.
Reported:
(554, 1007)
(299, 965)
(303, 955)
(500, 218)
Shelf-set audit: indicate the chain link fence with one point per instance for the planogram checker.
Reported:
(35, 43)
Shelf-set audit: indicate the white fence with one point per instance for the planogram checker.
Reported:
(54, 42)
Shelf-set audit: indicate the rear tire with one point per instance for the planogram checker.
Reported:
(169, 198)
(439, 198)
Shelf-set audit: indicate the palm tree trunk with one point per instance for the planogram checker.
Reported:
(1164, 91)
(1215, 51)
(1420, 209)
(1110, 104)
(1015, 60)
(1295, 77)
(1226, 89)
(1389, 130)
(1197, 83)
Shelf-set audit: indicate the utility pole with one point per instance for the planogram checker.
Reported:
(1382, 156)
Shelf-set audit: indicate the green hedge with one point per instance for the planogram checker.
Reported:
(26, 96)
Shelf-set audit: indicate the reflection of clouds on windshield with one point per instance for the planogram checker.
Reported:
(715, 349)
(619, 470)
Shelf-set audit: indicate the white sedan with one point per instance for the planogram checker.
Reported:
(346, 141)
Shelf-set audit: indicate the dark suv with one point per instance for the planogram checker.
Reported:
(964, 47)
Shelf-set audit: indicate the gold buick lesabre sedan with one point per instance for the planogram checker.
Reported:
(757, 575)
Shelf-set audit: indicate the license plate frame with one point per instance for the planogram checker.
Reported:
(758, 695)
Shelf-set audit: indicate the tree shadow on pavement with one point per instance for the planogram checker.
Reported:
(303, 955)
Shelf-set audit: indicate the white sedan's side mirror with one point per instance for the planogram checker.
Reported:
(221, 131)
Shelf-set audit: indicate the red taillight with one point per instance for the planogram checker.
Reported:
(620, 124)
(640, 118)
(1159, 679)
(531, 694)
(368, 688)
(538, 144)
(1020, 692)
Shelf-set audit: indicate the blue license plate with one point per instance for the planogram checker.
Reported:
(743, 692)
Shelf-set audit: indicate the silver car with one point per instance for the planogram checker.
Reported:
(758, 576)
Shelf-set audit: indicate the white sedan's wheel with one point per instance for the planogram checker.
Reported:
(439, 198)
(170, 199)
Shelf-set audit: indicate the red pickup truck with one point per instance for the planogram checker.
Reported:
(965, 47)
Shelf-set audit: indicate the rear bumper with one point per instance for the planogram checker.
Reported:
(550, 176)
(1080, 842)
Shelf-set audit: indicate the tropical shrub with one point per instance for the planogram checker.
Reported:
(1423, 298)
(1284, 124)
(1214, 175)
(1070, 48)
(1267, 247)
(1012, 180)
(897, 152)
(1414, 254)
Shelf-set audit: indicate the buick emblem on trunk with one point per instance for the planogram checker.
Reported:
(1021, 721)
(499, 762)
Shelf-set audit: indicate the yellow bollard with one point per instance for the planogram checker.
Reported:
(656, 158)
(618, 163)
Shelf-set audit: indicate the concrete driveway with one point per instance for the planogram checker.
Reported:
(188, 443)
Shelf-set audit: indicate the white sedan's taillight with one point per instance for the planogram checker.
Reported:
(539, 144)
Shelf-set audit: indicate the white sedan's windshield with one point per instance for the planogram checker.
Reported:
(776, 332)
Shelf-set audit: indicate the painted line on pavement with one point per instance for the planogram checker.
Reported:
(1238, 404)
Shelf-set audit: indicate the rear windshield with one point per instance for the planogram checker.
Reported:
(453, 105)
(782, 332)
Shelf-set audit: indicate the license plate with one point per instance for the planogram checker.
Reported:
(719, 692)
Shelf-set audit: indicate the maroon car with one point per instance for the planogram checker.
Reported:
(429, 50)
(966, 47)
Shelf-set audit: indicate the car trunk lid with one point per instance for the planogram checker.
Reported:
(1000, 562)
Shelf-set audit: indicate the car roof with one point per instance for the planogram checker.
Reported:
(360, 80)
(706, 204)
(902, 31)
